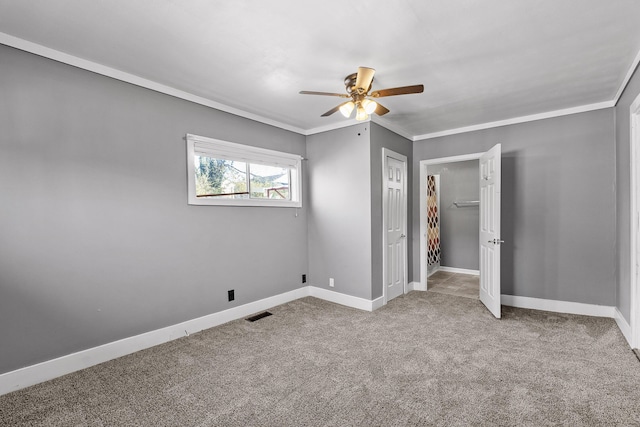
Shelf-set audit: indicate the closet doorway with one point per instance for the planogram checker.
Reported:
(460, 226)
(453, 221)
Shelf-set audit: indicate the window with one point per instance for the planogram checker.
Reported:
(226, 173)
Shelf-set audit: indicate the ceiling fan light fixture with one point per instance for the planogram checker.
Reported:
(358, 86)
(361, 113)
(347, 108)
(369, 106)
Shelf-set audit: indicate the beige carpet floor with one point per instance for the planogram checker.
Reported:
(424, 359)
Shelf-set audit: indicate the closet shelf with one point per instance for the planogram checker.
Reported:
(467, 203)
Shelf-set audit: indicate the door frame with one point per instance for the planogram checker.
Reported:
(424, 165)
(634, 259)
(402, 158)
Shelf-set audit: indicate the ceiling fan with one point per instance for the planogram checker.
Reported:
(358, 86)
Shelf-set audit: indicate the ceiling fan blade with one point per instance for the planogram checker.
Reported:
(309, 92)
(334, 109)
(381, 110)
(405, 90)
(364, 78)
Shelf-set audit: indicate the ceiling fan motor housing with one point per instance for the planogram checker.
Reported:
(350, 84)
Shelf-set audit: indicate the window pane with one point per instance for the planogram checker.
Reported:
(269, 182)
(219, 178)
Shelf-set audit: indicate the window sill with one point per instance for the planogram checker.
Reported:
(245, 202)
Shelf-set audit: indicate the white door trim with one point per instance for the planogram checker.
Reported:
(389, 153)
(634, 143)
(424, 164)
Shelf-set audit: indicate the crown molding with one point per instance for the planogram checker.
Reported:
(65, 58)
(373, 119)
(104, 70)
(625, 82)
(97, 68)
(334, 126)
(516, 120)
(393, 128)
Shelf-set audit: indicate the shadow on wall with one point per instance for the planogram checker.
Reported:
(529, 227)
(507, 229)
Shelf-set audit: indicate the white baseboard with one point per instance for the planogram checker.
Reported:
(416, 286)
(50, 369)
(343, 299)
(377, 303)
(571, 308)
(458, 270)
(30, 375)
(558, 306)
(624, 327)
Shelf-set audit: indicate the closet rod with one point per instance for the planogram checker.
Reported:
(467, 203)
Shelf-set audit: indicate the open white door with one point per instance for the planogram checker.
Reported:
(394, 201)
(490, 178)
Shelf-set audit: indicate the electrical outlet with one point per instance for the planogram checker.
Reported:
(304, 278)
(331, 283)
(231, 295)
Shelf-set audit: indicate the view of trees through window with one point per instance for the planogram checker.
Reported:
(234, 179)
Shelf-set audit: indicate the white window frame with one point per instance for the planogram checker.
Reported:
(219, 149)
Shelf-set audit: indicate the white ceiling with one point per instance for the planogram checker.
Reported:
(480, 61)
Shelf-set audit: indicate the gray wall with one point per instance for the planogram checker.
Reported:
(381, 137)
(459, 227)
(97, 242)
(345, 209)
(339, 231)
(558, 219)
(623, 196)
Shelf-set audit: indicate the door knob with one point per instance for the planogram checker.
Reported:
(402, 236)
(496, 241)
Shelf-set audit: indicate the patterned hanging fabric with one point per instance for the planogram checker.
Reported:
(433, 218)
